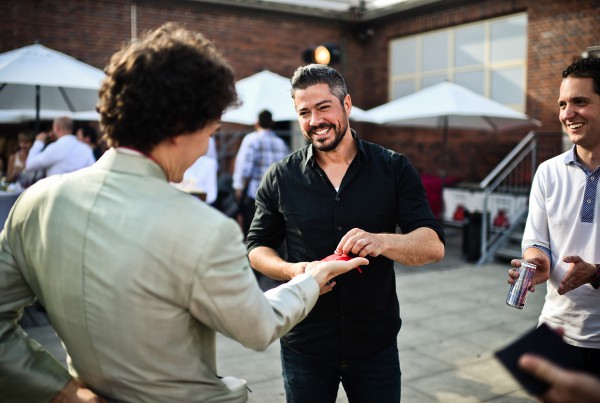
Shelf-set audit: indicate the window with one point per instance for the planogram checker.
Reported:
(488, 57)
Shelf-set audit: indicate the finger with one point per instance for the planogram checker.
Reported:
(347, 242)
(571, 259)
(540, 368)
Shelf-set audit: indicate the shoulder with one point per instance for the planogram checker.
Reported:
(378, 154)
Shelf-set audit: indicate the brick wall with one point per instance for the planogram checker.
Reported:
(91, 30)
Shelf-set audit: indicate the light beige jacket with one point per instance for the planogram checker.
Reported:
(136, 277)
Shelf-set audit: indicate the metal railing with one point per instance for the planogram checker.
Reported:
(513, 176)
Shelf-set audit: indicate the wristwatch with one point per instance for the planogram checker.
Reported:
(596, 280)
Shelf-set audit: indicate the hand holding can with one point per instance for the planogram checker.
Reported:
(517, 294)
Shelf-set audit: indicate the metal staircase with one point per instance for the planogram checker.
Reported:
(513, 175)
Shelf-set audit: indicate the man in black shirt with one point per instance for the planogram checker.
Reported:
(342, 194)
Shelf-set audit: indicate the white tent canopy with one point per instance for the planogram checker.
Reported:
(460, 107)
(38, 81)
(264, 90)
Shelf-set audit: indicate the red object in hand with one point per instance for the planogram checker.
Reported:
(339, 256)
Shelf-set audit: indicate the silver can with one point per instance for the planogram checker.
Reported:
(517, 294)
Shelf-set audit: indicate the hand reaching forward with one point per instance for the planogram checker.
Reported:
(74, 392)
(565, 386)
(324, 272)
(578, 273)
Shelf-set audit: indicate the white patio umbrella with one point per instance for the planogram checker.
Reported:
(448, 105)
(267, 90)
(264, 90)
(38, 82)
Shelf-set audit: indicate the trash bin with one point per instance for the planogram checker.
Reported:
(472, 236)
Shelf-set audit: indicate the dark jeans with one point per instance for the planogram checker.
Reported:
(590, 358)
(311, 380)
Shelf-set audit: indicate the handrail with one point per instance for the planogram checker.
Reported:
(512, 176)
(506, 168)
(502, 166)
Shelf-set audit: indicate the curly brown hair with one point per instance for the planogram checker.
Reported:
(170, 82)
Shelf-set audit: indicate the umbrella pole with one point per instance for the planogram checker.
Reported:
(443, 160)
(37, 109)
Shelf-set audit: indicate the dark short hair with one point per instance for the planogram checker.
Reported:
(26, 135)
(313, 74)
(585, 68)
(265, 119)
(170, 82)
(89, 132)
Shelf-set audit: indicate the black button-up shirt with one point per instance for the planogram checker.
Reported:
(296, 202)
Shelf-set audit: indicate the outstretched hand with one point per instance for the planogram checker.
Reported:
(75, 392)
(325, 271)
(565, 386)
(579, 273)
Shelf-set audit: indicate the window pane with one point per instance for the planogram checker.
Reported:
(508, 86)
(429, 81)
(509, 39)
(404, 56)
(403, 88)
(473, 80)
(470, 46)
(435, 51)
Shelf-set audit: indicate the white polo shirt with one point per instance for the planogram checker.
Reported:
(564, 213)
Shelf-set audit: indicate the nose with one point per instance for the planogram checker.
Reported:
(315, 119)
(567, 113)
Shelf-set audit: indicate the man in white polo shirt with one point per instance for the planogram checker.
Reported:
(66, 154)
(562, 234)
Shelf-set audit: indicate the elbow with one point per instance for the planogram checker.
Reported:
(438, 252)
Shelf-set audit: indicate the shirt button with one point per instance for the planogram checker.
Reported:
(339, 228)
(592, 178)
(589, 201)
(337, 198)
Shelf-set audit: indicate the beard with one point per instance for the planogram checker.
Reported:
(338, 135)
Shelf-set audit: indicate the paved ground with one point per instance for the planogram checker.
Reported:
(454, 319)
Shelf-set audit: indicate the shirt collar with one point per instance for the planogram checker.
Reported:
(571, 157)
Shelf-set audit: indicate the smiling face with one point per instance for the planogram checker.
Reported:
(322, 118)
(580, 112)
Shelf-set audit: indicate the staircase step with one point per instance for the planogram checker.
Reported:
(508, 252)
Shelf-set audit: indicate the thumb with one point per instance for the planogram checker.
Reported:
(571, 259)
(540, 368)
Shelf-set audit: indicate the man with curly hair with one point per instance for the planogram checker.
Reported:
(137, 276)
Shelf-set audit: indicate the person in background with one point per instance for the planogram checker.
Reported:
(200, 179)
(16, 161)
(258, 151)
(136, 276)
(66, 154)
(341, 194)
(87, 134)
(562, 232)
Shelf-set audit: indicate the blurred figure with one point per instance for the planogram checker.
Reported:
(201, 179)
(87, 134)
(66, 154)
(16, 161)
(258, 151)
(565, 386)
